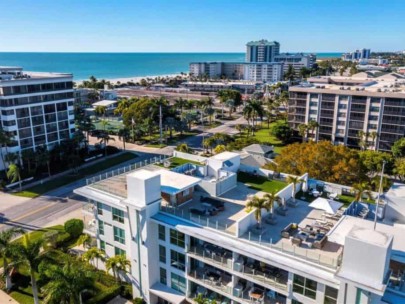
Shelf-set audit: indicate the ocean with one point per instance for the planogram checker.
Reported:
(117, 65)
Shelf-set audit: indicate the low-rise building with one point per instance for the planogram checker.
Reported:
(211, 246)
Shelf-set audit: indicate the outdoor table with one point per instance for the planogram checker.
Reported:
(315, 193)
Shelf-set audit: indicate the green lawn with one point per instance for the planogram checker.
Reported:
(260, 183)
(177, 161)
(263, 136)
(67, 179)
(345, 199)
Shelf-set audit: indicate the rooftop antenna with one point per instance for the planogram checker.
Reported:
(379, 193)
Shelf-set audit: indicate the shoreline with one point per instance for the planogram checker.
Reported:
(134, 79)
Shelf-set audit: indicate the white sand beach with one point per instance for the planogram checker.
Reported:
(134, 79)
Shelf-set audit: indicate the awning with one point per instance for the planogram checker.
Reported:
(166, 293)
(328, 206)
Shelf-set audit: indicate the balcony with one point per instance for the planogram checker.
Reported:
(212, 254)
(213, 278)
(89, 208)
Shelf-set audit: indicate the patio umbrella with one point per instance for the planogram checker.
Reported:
(326, 205)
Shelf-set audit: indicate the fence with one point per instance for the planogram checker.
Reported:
(126, 169)
(189, 156)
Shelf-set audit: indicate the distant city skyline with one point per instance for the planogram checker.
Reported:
(200, 26)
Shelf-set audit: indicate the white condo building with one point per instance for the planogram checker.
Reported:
(36, 108)
(186, 232)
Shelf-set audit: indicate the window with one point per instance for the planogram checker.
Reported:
(178, 283)
(102, 245)
(162, 233)
(119, 235)
(177, 260)
(177, 238)
(162, 254)
(304, 286)
(101, 227)
(118, 215)
(99, 208)
(119, 251)
(331, 295)
(163, 276)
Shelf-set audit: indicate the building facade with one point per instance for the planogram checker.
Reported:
(262, 51)
(297, 61)
(36, 108)
(344, 107)
(357, 55)
(181, 250)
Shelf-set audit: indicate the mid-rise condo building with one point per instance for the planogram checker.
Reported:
(262, 51)
(187, 233)
(357, 55)
(345, 107)
(297, 61)
(36, 108)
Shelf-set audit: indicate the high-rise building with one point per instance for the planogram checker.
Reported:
(187, 233)
(36, 108)
(262, 51)
(357, 55)
(351, 110)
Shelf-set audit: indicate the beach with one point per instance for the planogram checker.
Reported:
(136, 79)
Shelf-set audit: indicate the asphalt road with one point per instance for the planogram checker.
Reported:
(37, 212)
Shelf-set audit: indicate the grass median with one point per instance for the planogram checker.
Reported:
(67, 179)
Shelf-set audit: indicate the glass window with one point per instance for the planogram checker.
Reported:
(177, 238)
(101, 227)
(162, 254)
(119, 235)
(99, 208)
(177, 260)
(331, 295)
(119, 251)
(118, 215)
(163, 276)
(304, 286)
(178, 283)
(162, 233)
(102, 245)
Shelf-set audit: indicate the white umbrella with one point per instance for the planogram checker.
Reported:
(326, 205)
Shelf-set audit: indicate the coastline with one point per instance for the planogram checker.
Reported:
(133, 79)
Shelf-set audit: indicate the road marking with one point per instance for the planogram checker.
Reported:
(27, 214)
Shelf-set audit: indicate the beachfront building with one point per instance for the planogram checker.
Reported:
(214, 86)
(262, 51)
(36, 109)
(208, 244)
(357, 55)
(297, 61)
(345, 106)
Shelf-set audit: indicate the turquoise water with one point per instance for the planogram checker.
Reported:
(116, 65)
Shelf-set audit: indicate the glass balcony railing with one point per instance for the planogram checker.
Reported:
(224, 260)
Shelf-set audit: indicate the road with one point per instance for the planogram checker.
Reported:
(37, 212)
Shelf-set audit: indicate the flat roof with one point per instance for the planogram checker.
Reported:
(224, 155)
(173, 182)
(104, 103)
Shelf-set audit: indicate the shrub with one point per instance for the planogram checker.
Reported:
(62, 239)
(138, 301)
(126, 291)
(112, 150)
(74, 227)
(106, 295)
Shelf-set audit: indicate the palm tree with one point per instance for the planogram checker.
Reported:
(100, 111)
(86, 125)
(294, 180)
(28, 156)
(362, 139)
(361, 189)
(124, 135)
(272, 198)
(183, 148)
(210, 112)
(43, 157)
(6, 250)
(219, 149)
(117, 264)
(258, 204)
(374, 136)
(14, 174)
(180, 104)
(302, 130)
(248, 113)
(28, 255)
(209, 143)
(104, 140)
(5, 140)
(67, 282)
(105, 123)
(94, 254)
(240, 128)
(312, 125)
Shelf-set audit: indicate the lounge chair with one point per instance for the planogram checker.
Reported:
(292, 204)
(281, 211)
(271, 220)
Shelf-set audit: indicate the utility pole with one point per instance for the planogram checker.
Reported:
(379, 193)
(160, 124)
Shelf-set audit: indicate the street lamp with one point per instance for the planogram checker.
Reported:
(379, 193)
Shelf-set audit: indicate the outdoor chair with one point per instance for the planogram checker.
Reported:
(271, 220)
(292, 204)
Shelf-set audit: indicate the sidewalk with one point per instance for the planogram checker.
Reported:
(5, 298)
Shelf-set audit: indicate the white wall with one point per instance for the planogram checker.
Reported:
(189, 156)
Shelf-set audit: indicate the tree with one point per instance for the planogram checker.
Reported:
(117, 264)
(5, 140)
(290, 74)
(210, 113)
(258, 204)
(123, 105)
(14, 174)
(399, 168)
(124, 135)
(6, 251)
(361, 189)
(28, 255)
(180, 104)
(94, 254)
(100, 110)
(362, 142)
(302, 131)
(219, 149)
(43, 158)
(294, 180)
(304, 72)
(282, 131)
(209, 143)
(74, 227)
(374, 136)
(67, 282)
(322, 160)
(86, 125)
(372, 161)
(183, 148)
(240, 128)
(398, 148)
(104, 140)
(312, 126)
(270, 199)
(28, 156)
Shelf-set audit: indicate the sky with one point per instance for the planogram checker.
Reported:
(200, 25)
